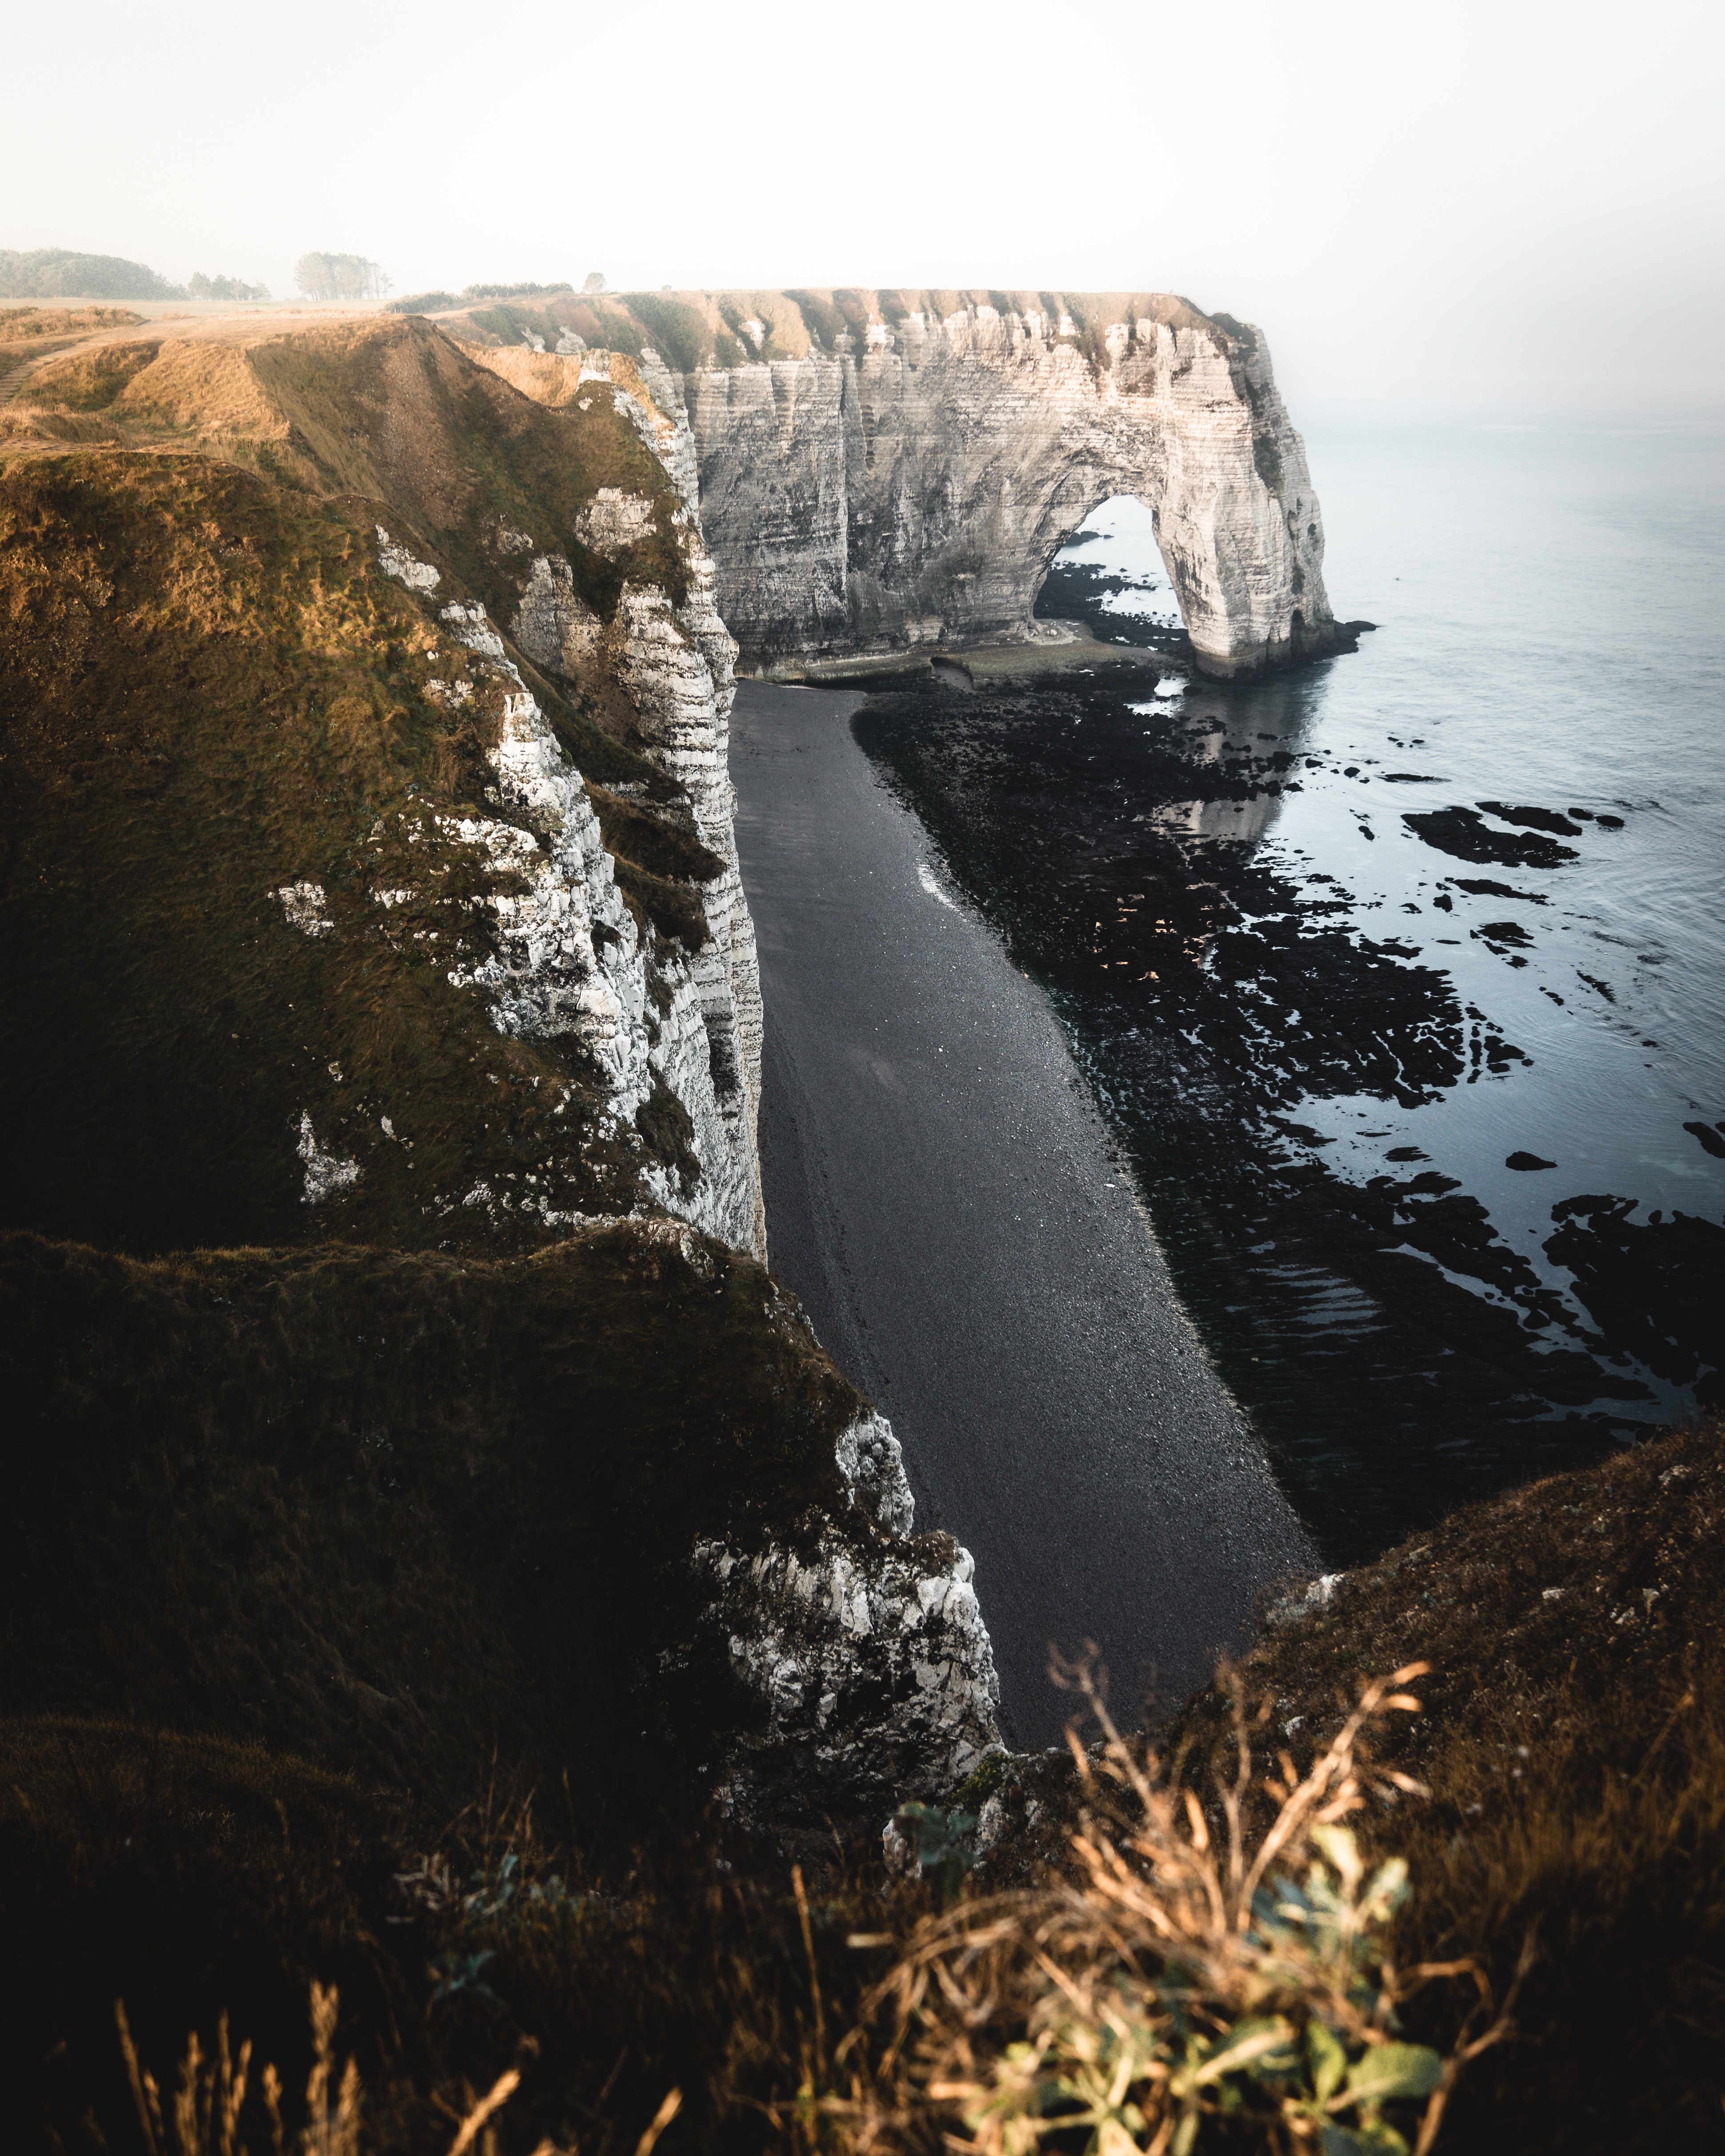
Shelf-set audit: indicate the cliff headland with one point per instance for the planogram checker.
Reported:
(439, 1558)
(372, 880)
(882, 470)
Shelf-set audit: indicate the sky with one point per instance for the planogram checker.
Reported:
(1503, 209)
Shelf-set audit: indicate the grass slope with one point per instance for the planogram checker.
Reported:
(402, 1514)
(1571, 1751)
(209, 692)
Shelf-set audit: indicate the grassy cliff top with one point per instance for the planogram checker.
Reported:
(211, 693)
(695, 330)
(385, 409)
(403, 1514)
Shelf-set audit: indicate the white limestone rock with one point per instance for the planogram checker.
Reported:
(398, 562)
(676, 664)
(565, 956)
(851, 500)
(864, 1650)
(305, 905)
(327, 1174)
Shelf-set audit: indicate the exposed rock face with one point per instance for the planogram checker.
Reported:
(566, 958)
(550, 974)
(674, 662)
(911, 485)
(865, 1648)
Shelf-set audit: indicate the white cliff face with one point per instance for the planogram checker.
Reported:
(563, 955)
(549, 973)
(675, 663)
(865, 1652)
(915, 491)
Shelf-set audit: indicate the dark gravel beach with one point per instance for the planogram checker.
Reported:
(952, 1210)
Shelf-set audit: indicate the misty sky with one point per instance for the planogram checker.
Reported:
(1507, 208)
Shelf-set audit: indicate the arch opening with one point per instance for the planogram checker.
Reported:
(1107, 577)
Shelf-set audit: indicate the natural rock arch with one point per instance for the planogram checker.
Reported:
(911, 485)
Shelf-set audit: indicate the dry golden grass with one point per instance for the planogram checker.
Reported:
(1198, 1982)
(207, 2112)
(25, 324)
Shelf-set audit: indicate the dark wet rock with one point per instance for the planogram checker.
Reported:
(1504, 931)
(1593, 981)
(1711, 1141)
(1526, 1163)
(1406, 1152)
(1080, 591)
(1532, 819)
(1465, 834)
(1412, 778)
(1656, 1290)
(1483, 887)
(1609, 822)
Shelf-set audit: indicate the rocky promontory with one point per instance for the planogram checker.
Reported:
(884, 470)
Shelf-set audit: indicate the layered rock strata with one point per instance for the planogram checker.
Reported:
(673, 660)
(911, 485)
(566, 957)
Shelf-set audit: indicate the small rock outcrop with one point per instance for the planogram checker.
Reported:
(864, 1647)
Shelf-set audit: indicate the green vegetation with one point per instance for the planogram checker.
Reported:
(462, 454)
(1573, 1742)
(214, 695)
(508, 325)
(53, 273)
(1193, 1985)
(201, 287)
(405, 1515)
(824, 319)
(678, 332)
(26, 325)
(514, 291)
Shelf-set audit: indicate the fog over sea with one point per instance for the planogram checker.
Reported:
(1377, 1015)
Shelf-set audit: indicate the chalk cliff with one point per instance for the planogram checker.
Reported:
(670, 654)
(882, 470)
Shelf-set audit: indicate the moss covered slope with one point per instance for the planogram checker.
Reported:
(210, 696)
(404, 1516)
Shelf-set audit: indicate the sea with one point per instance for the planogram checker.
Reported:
(1402, 975)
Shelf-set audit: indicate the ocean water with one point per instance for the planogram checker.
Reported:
(1532, 971)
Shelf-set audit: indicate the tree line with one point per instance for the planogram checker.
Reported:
(340, 277)
(201, 287)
